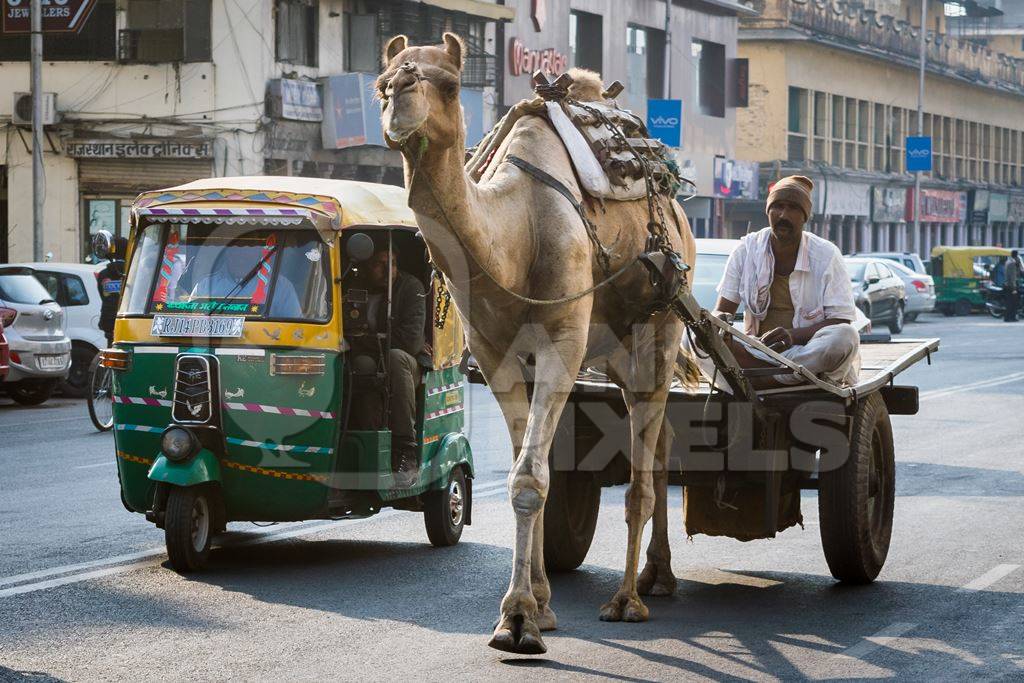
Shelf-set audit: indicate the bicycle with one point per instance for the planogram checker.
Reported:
(101, 395)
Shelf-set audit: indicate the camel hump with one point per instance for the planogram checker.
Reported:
(586, 85)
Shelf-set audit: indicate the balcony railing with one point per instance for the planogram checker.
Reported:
(848, 23)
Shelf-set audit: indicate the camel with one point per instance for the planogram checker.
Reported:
(510, 237)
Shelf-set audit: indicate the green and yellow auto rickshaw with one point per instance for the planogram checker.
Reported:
(961, 274)
(235, 404)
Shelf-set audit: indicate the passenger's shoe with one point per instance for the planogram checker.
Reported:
(406, 467)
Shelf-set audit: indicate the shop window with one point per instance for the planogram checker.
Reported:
(585, 40)
(362, 51)
(296, 31)
(166, 31)
(709, 59)
(95, 42)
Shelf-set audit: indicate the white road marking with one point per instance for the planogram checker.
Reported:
(939, 393)
(873, 642)
(98, 464)
(990, 577)
(116, 565)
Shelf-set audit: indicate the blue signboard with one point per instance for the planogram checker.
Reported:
(919, 154)
(665, 121)
(473, 112)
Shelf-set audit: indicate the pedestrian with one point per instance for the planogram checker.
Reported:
(1011, 279)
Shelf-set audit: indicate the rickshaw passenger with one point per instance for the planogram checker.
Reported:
(239, 263)
(796, 291)
(406, 358)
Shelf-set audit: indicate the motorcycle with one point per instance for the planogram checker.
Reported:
(995, 301)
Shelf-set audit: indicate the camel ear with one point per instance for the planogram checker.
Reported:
(394, 46)
(455, 47)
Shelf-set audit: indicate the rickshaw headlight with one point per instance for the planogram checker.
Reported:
(178, 444)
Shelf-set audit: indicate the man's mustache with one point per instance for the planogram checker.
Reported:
(783, 223)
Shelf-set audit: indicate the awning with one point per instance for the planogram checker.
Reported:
(475, 7)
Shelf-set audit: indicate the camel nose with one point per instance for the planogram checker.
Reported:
(402, 81)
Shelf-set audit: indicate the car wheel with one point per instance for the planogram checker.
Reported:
(866, 310)
(77, 383)
(32, 392)
(910, 317)
(896, 324)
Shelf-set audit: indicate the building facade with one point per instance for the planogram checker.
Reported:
(628, 42)
(152, 94)
(833, 95)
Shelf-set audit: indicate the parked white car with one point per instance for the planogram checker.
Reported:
(34, 326)
(75, 286)
(920, 290)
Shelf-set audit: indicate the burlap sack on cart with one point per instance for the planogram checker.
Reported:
(737, 510)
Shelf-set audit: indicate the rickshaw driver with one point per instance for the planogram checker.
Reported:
(406, 358)
(796, 291)
(239, 261)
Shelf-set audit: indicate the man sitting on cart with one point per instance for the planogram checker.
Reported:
(796, 292)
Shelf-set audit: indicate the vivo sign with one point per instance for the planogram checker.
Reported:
(919, 154)
(665, 121)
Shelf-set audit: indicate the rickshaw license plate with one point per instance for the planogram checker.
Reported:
(197, 326)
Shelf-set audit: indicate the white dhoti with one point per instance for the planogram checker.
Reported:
(833, 354)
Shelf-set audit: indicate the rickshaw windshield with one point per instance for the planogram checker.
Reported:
(249, 270)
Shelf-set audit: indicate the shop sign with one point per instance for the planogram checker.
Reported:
(292, 140)
(888, 204)
(296, 100)
(163, 148)
(845, 199)
(735, 179)
(665, 121)
(919, 153)
(979, 206)
(523, 60)
(998, 207)
(59, 16)
(1015, 212)
(938, 206)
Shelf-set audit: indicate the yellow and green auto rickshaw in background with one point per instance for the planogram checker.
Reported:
(237, 405)
(961, 274)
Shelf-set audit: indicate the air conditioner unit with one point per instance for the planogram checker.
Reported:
(22, 109)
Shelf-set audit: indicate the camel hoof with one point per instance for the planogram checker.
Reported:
(546, 619)
(624, 608)
(656, 580)
(517, 635)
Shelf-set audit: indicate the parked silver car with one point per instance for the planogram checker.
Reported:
(920, 290)
(34, 325)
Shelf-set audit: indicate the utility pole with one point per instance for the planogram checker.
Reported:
(668, 49)
(38, 180)
(920, 125)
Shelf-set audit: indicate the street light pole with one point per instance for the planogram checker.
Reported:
(920, 126)
(38, 180)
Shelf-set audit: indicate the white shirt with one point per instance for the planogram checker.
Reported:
(819, 285)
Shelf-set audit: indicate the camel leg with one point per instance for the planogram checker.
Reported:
(657, 577)
(507, 383)
(519, 625)
(651, 372)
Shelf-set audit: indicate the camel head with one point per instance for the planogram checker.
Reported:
(419, 92)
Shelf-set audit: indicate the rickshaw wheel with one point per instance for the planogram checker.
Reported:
(189, 527)
(962, 307)
(444, 511)
(855, 500)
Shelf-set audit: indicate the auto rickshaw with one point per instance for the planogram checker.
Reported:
(236, 404)
(960, 274)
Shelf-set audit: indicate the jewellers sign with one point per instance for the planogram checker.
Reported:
(59, 16)
(139, 149)
(523, 60)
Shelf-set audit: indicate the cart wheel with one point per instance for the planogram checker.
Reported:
(855, 500)
(570, 518)
(188, 528)
(444, 511)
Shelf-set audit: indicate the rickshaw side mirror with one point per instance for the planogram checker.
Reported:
(359, 247)
(102, 244)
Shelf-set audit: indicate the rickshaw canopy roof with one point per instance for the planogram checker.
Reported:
(340, 203)
(959, 261)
